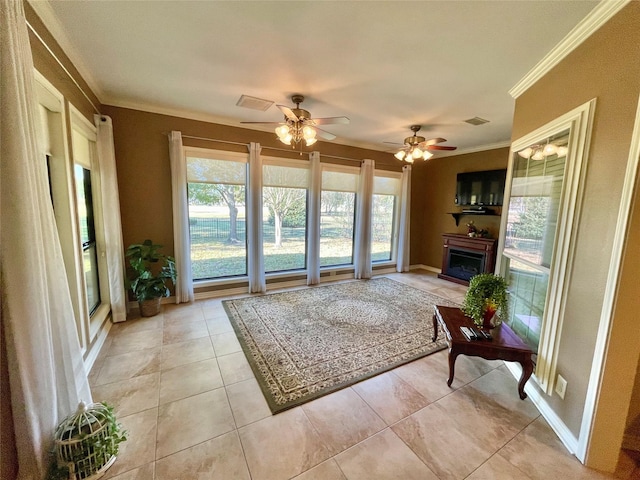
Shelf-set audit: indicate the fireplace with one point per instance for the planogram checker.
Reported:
(464, 257)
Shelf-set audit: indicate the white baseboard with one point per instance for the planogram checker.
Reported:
(562, 431)
(94, 351)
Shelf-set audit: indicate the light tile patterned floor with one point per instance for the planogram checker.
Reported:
(185, 392)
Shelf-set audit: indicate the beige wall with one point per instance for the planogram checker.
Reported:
(605, 67)
(433, 188)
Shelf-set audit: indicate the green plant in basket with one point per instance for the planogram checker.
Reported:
(486, 296)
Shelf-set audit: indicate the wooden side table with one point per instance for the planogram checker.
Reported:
(505, 345)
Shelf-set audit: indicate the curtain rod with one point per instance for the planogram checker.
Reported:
(63, 67)
(262, 146)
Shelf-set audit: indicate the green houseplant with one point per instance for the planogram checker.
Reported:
(151, 272)
(486, 296)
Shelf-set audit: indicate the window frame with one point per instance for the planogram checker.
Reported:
(395, 229)
(579, 122)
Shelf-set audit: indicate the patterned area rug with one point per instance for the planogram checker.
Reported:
(308, 343)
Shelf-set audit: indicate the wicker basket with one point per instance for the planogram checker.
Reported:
(150, 308)
(83, 441)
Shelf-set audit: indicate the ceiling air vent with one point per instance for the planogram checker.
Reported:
(476, 121)
(254, 103)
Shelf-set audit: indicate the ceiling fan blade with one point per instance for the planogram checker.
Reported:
(433, 141)
(263, 123)
(288, 112)
(324, 134)
(393, 143)
(331, 121)
(440, 147)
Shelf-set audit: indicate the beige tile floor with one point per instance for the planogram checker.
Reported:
(184, 391)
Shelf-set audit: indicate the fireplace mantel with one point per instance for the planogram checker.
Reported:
(464, 257)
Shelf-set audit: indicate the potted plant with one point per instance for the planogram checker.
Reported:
(486, 296)
(151, 272)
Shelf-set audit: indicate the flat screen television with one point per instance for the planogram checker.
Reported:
(484, 188)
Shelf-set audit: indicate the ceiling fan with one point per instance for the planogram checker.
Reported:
(416, 147)
(298, 124)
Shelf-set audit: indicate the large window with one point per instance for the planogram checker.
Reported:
(386, 192)
(337, 216)
(217, 220)
(284, 197)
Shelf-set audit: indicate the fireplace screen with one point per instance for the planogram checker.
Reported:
(464, 264)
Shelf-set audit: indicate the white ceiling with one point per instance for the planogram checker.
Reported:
(385, 65)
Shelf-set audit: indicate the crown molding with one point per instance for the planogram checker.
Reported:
(600, 15)
(50, 20)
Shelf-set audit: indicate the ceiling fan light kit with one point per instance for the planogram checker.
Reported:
(298, 125)
(416, 147)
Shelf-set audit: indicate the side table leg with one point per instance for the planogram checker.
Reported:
(435, 328)
(452, 365)
(527, 370)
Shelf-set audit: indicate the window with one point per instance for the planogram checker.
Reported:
(386, 192)
(337, 216)
(284, 196)
(216, 183)
(88, 236)
(88, 212)
(543, 197)
(532, 220)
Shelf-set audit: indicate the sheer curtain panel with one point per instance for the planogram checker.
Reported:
(181, 241)
(257, 281)
(405, 221)
(362, 254)
(111, 213)
(46, 370)
(313, 221)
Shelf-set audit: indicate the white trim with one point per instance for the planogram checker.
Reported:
(600, 15)
(555, 422)
(610, 293)
(481, 148)
(94, 350)
(82, 124)
(579, 123)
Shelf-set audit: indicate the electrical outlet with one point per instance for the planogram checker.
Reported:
(561, 386)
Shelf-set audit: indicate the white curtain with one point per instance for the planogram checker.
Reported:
(257, 282)
(181, 241)
(364, 208)
(112, 223)
(46, 370)
(313, 231)
(405, 221)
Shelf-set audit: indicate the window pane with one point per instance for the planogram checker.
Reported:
(284, 228)
(383, 218)
(90, 264)
(217, 222)
(337, 214)
(534, 204)
(218, 230)
(527, 296)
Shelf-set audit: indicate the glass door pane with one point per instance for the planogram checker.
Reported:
(88, 236)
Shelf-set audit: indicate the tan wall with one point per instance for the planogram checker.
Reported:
(605, 67)
(433, 187)
(144, 174)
